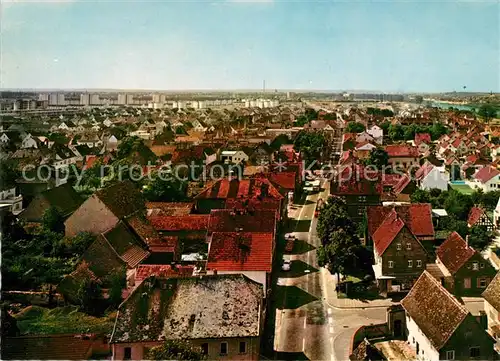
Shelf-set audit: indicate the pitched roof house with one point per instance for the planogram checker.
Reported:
(479, 217)
(105, 208)
(256, 193)
(220, 314)
(248, 253)
(63, 198)
(399, 256)
(441, 328)
(428, 176)
(465, 271)
(492, 306)
(487, 179)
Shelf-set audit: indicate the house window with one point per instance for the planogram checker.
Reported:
(475, 266)
(398, 246)
(204, 348)
(391, 264)
(467, 283)
(450, 355)
(223, 348)
(481, 283)
(474, 351)
(410, 263)
(127, 353)
(408, 246)
(481, 265)
(419, 263)
(243, 347)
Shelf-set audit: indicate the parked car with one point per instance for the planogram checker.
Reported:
(286, 265)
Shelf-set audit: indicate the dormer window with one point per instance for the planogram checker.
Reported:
(398, 246)
(475, 266)
(408, 246)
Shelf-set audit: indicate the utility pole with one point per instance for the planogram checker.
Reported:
(264, 86)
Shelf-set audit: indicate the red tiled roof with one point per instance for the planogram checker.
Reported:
(471, 158)
(90, 161)
(456, 142)
(229, 220)
(169, 208)
(233, 251)
(348, 136)
(387, 231)
(192, 222)
(245, 188)
(401, 185)
(356, 179)
(285, 180)
(401, 151)
(475, 215)
(164, 271)
(417, 217)
(422, 138)
(454, 252)
(361, 144)
(425, 169)
(486, 173)
(391, 179)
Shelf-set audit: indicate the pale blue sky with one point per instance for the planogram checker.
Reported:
(388, 46)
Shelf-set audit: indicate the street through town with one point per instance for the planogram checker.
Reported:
(305, 322)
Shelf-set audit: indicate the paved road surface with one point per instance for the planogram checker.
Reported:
(304, 321)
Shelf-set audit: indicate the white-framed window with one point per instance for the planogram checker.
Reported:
(481, 283)
(408, 246)
(450, 354)
(481, 265)
(391, 264)
(467, 282)
(398, 246)
(419, 263)
(223, 348)
(410, 263)
(475, 266)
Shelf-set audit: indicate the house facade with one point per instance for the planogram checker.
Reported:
(220, 314)
(465, 271)
(438, 327)
(492, 306)
(233, 156)
(399, 256)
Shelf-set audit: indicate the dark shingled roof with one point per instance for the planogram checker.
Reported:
(190, 308)
(126, 245)
(436, 312)
(122, 198)
(63, 198)
(492, 292)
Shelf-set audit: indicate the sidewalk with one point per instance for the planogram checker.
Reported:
(330, 282)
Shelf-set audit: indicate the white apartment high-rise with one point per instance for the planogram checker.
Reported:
(53, 99)
(94, 99)
(61, 99)
(122, 99)
(84, 99)
(43, 97)
(130, 99)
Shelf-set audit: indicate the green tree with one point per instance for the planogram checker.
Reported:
(52, 220)
(310, 145)
(480, 238)
(165, 189)
(355, 127)
(89, 296)
(8, 173)
(420, 196)
(175, 350)
(378, 158)
(451, 223)
(78, 244)
(458, 204)
(396, 132)
(339, 241)
(419, 99)
(437, 130)
(487, 112)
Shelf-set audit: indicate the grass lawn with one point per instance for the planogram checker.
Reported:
(36, 320)
(462, 188)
